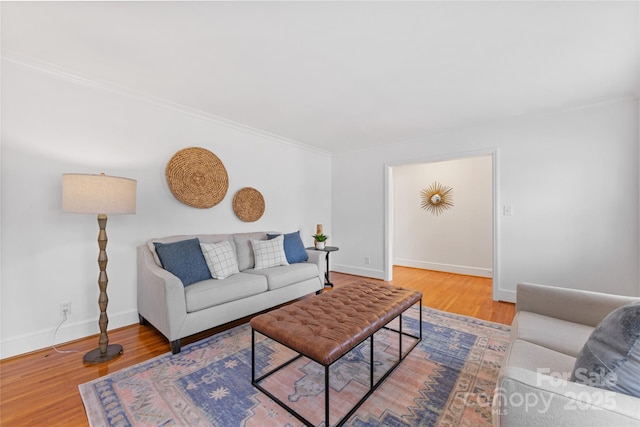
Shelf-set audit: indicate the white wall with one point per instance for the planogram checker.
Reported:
(458, 240)
(571, 177)
(52, 124)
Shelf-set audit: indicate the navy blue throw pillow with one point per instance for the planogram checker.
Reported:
(293, 247)
(184, 259)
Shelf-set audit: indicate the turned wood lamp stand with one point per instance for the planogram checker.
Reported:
(100, 194)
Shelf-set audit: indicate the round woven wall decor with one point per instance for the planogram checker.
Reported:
(197, 177)
(248, 204)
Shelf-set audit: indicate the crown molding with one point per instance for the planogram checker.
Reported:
(101, 85)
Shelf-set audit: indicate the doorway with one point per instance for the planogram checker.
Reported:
(461, 239)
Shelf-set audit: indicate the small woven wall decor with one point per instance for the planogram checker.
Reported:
(197, 177)
(248, 204)
(437, 198)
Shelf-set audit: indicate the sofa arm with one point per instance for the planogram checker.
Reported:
(320, 259)
(161, 298)
(584, 307)
(526, 398)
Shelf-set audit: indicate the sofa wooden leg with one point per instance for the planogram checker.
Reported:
(175, 346)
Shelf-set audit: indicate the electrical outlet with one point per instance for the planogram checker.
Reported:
(65, 308)
(367, 260)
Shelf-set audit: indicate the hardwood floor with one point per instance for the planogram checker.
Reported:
(41, 388)
(455, 293)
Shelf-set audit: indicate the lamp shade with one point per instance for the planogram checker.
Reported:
(98, 194)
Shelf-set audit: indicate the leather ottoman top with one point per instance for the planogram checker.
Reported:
(326, 326)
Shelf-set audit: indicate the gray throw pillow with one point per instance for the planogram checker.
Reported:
(610, 359)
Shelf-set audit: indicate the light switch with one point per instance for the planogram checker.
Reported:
(507, 210)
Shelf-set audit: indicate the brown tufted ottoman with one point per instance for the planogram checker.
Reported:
(325, 327)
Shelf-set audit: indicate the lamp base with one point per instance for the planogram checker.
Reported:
(94, 356)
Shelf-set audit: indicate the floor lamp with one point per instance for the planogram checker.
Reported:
(101, 195)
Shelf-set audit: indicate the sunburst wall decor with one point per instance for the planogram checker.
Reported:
(437, 198)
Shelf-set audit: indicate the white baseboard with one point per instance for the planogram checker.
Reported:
(358, 271)
(506, 295)
(447, 268)
(69, 331)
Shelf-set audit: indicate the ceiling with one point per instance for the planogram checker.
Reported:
(341, 76)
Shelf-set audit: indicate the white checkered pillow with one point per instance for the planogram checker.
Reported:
(269, 253)
(221, 259)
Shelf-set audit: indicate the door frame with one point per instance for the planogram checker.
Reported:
(389, 201)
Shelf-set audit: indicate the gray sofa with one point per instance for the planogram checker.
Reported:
(550, 328)
(178, 311)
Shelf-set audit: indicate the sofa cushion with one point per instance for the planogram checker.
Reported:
(221, 259)
(559, 335)
(293, 247)
(209, 293)
(610, 358)
(537, 358)
(184, 259)
(269, 253)
(244, 250)
(279, 277)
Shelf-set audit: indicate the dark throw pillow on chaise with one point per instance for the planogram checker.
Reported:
(610, 359)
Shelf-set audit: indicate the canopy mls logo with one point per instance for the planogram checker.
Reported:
(539, 401)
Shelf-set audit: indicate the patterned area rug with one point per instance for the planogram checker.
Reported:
(447, 380)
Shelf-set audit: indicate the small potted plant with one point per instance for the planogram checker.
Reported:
(319, 240)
